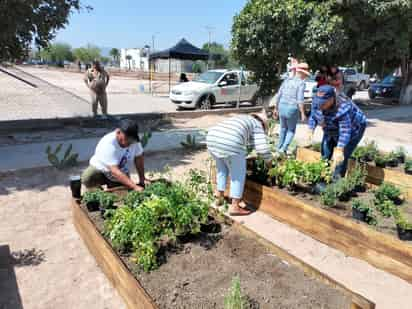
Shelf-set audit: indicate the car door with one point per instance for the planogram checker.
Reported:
(248, 88)
(228, 88)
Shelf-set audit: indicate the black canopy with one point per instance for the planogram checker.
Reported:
(182, 50)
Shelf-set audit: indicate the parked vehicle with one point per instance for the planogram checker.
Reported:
(352, 76)
(215, 87)
(389, 87)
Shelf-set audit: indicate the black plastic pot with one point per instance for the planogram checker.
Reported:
(92, 206)
(75, 186)
(211, 228)
(392, 163)
(401, 159)
(381, 165)
(360, 188)
(404, 234)
(409, 172)
(359, 215)
(345, 197)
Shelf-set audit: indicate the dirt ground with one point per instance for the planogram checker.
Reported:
(43, 262)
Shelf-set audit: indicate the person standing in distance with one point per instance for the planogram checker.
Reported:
(96, 79)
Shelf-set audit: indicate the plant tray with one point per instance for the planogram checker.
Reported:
(132, 291)
(375, 175)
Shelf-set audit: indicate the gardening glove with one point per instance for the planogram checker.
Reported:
(337, 157)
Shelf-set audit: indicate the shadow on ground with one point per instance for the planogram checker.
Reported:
(9, 290)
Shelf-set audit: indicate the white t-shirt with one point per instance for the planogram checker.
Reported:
(108, 153)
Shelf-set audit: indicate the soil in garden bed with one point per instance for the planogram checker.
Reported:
(197, 273)
(344, 209)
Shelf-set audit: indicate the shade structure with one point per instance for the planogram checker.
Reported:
(182, 50)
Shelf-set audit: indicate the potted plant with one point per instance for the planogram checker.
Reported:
(357, 178)
(404, 227)
(107, 201)
(400, 154)
(360, 210)
(370, 151)
(408, 166)
(344, 189)
(391, 159)
(380, 161)
(387, 191)
(92, 200)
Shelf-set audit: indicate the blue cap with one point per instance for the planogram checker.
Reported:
(323, 94)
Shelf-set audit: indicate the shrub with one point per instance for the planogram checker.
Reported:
(234, 299)
(381, 160)
(386, 207)
(91, 197)
(357, 177)
(329, 196)
(387, 191)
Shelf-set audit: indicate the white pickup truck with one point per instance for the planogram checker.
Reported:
(360, 81)
(215, 87)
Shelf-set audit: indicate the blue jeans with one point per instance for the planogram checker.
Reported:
(236, 167)
(288, 115)
(330, 141)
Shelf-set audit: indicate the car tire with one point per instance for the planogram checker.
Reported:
(206, 102)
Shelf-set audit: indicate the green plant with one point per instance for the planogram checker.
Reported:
(91, 197)
(386, 207)
(365, 206)
(316, 172)
(235, 299)
(408, 165)
(145, 138)
(329, 196)
(317, 147)
(366, 153)
(387, 191)
(402, 222)
(381, 160)
(400, 153)
(391, 158)
(287, 173)
(260, 170)
(69, 159)
(160, 213)
(106, 199)
(357, 177)
(360, 205)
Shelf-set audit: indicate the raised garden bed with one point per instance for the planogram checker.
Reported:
(375, 175)
(197, 271)
(335, 226)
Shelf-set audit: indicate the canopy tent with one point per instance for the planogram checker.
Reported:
(183, 50)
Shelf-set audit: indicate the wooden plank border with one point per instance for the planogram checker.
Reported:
(135, 295)
(375, 175)
(113, 267)
(351, 237)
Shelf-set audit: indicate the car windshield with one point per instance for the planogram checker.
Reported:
(389, 79)
(208, 77)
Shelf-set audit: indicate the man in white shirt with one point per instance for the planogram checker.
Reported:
(114, 157)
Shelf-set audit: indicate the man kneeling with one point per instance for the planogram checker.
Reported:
(113, 158)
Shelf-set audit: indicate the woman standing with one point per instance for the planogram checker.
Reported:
(227, 143)
(289, 102)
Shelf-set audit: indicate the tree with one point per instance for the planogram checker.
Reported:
(24, 22)
(87, 54)
(57, 53)
(333, 32)
(114, 52)
(218, 54)
(128, 58)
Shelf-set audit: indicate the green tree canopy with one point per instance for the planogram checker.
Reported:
(323, 32)
(218, 54)
(57, 52)
(87, 54)
(115, 53)
(24, 22)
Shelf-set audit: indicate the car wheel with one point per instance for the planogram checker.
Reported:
(205, 103)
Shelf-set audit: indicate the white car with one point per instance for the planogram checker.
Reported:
(215, 87)
(310, 84)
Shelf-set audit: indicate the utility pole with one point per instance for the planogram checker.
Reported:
(209, 30)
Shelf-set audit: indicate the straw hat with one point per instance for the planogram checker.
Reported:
(303, 67)
(262, 116)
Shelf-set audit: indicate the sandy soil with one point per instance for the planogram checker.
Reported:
(48, 265)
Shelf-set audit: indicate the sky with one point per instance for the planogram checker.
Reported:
(128, 23)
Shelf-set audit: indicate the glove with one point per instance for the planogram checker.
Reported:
(337, 157)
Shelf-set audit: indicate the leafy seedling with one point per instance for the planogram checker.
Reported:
(235, 299)
(400, 153)
(388, 191)
(145, 138)
(69, 159)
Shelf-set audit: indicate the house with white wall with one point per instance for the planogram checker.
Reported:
(139, 59)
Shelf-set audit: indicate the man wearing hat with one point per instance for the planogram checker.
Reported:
(114, 156)
(343, 126)
(227, 143)
(289, 101)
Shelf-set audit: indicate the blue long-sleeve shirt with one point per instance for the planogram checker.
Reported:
(345, 120)
(291, 92)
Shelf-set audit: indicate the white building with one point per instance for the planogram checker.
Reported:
(139, 59)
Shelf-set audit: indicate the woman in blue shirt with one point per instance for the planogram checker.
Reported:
(289, 102)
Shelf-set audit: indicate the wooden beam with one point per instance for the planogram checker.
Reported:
(119, 275)
(353, 238)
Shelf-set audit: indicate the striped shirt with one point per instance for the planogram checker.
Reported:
(292, 91)
(345, 120)
(234, 135)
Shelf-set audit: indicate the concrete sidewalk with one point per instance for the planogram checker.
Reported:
(34, 155)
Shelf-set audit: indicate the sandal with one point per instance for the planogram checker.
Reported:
(239, 212)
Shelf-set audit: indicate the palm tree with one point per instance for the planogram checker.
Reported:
(114, 52)
(128, 58)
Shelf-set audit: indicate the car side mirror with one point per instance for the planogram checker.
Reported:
(222, 83)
